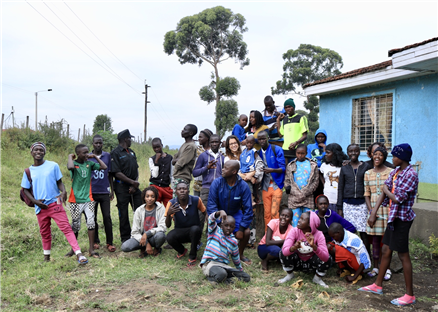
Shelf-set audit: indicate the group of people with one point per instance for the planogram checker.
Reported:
(330, 196)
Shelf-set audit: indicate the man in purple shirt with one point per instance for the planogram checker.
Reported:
(102, 192)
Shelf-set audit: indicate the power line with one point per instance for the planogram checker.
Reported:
(81, 48)
(101, 41)
(89, 48)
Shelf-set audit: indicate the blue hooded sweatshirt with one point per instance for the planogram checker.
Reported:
(233, 200)
(315, 152)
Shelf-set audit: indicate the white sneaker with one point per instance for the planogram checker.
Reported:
(287, 278)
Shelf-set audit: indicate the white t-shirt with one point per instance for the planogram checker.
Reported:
(331, 178)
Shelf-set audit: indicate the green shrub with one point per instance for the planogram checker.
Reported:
(433, 245)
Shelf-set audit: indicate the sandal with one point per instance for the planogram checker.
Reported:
(142, 254)
(96, 246)
(157, 251)
(110, 248)
(373, 273)
(191, 263)
(94, 255)
(372, 289)
(246, 260)
(388, 276)
(345, 273)
(404, 301)
(82, 260)
(179, 256)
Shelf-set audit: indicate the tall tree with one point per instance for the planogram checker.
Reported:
(213, 36)
(306, 64)
(102, 122)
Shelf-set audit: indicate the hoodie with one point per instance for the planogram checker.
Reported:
(138, 222)
(297, 235)
(315, 152)
(201, 167)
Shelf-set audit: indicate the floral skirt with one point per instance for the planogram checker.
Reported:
(357, 215)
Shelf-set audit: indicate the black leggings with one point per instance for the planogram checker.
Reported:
(294, 263)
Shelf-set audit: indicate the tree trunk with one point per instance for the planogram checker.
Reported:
(216, 72)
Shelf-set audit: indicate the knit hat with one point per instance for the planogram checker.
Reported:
(36, 144)
(402, 151)
(289, 102)
(207, 132)
(383, 151)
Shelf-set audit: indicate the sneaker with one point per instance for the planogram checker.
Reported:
(372, 289)
(404, 301)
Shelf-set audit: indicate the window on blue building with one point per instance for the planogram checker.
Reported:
(372, 120)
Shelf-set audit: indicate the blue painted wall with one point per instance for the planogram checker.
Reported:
(415, 119)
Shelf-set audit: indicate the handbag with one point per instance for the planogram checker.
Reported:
(23, 196)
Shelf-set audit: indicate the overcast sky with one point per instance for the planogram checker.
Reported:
(49, 45)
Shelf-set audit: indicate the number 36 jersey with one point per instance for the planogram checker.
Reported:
(99, 178)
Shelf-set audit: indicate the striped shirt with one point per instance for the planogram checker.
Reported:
(404, 187)
(219, 246)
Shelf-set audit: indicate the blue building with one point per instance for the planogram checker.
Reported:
(392, 102)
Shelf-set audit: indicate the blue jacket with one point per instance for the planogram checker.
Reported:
(314, 152)
(239, 132)
(231, 200)
(208, 175)
(274, 161)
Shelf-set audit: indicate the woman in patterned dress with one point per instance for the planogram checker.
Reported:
(373, 182)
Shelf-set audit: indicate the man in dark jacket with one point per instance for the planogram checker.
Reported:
(231, 194)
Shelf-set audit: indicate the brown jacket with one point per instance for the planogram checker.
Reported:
(304, 197)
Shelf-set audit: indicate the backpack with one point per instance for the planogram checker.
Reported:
(23, 196)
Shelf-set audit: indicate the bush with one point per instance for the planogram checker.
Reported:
(433, 245)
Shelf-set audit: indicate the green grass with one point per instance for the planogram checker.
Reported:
(123, 281)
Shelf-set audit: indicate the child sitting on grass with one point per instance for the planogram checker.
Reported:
(305, 249)
(148, 226)
(239, 128)
(81, 199)
(301, 181)
(350, 253)
(270, 246)
(221, 243)
(399, 192)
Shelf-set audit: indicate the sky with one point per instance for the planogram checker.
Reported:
(96, 56)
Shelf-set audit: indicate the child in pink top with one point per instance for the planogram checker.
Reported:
(305, 249)
(270, 246)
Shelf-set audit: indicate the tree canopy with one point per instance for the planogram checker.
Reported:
(102, 122)
(213, 36)
(226, 116)
(306, 64)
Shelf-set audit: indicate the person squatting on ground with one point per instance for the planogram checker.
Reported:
(221, 244)
(231, 194)
(81, 199)
(349, 253)
(305, 250)
(293, 127)
(329, 173)
(270, 245)
(160, 166)
(373, 183)
(184, 159)
(273, 177)
(103, 193)
(302, 178)
(48, 195)
(351, 200)
(148, 227)
(184, 211)
(124, 168)
(399, 192)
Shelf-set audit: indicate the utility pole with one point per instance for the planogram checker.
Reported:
(79, 134)
(13, 120)
(83, 135)
(27, 122)
(68, 129)
(145, 110)
(3, 119)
